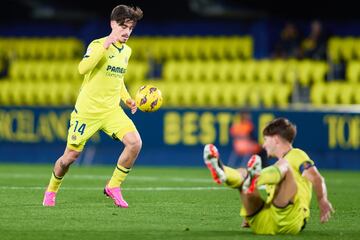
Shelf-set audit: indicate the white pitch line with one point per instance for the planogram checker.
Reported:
(103, 177)
(125, 189)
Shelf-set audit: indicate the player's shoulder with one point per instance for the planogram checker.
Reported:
(127, 48)
(98, 41)
(298, 153)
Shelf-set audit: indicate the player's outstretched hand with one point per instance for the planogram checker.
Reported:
(113, 37)
(326, 210)
(132, 105)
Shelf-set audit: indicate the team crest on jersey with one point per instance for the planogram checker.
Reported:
(73, 137)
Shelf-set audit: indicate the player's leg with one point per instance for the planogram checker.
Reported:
(79, 132)
(61, 167)
(278, 175)
(221, 173)
(286, 188)
(120, 127)
(236, 178)
(251, 200)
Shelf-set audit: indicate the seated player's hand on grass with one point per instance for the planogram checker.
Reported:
(132, 105)
(325, 210)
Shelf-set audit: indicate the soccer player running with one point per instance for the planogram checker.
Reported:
(98, 105)
(276, 199)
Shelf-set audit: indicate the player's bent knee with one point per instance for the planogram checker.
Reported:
(70, 157)
(135, 144)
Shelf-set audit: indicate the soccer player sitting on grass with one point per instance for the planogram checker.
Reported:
(276, 199)
(98, 105)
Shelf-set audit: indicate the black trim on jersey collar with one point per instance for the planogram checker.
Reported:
(287, 152)
(119, 49)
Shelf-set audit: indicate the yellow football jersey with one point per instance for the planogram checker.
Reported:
(103, 86)
(299, 161)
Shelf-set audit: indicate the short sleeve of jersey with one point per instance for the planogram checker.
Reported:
(93, 47)
(300, 160)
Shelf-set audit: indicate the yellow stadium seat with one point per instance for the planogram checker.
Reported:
(332, 93)
(263, 70)
(283, 94)
(291, 71)
(197, 71)
(223, 71)
(357, 48)
(347, 48)
(170, 71)
(240, 93)
(277, 71)
(249, 70)
(319, 71)
(226, 95)
(209, 71)
(214, 93)
(5, 90)
(179, 51)
(334, 49)
(304, 69)
(236, 71)
(246, 47)
(317, 94)
(267, 94)
(346, 93)
(356, 93)
(193, 50)
(353, 71)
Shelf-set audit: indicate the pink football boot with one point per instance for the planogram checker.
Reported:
(115, 194)
(49, 199)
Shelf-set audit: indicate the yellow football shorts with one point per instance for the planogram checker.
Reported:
(273, 220)
(115, 124)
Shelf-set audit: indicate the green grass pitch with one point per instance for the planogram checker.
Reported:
(164, 203)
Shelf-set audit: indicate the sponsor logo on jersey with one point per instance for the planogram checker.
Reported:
(115, 69)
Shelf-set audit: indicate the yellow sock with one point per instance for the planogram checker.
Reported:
(118, 176)
(269, 175)
(234, 179)
(55, 183)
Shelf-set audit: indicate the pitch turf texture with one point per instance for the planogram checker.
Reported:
(164, 203)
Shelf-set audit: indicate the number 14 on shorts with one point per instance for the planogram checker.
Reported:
(80, 128)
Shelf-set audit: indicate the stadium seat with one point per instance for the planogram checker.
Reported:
(346, 94)
(249, 70)
(334, 49)
(277, 71)
(353, 71)
(347, 48)
(263, 70)
(5, 90)
(319, 71)
(356, 93)
(332, 93)
(304, 69)
(317, 94)
(283, 94)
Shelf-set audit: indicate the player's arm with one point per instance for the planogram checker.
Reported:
(312, 174)
(91, 58)
(126, 98)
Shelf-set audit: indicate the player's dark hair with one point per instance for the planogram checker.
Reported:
(282, 127)
(122, 13)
